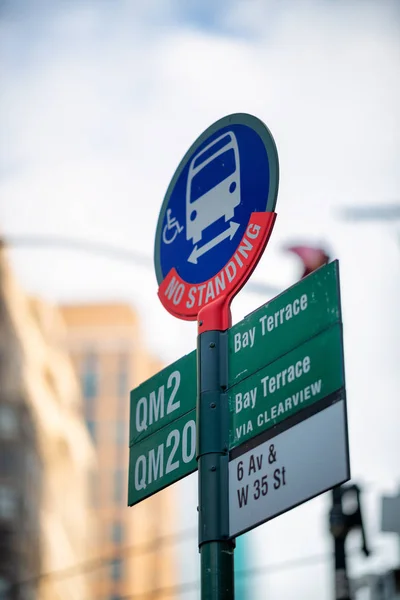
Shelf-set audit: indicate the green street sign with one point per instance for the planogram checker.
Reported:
(299, 313)
(284, 356)
(301, 377)
(162, 458)
(163, 398)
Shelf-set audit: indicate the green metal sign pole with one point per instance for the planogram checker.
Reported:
(216, 550)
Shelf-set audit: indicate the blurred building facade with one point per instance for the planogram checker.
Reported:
(47, 457)
(19, 456)
(110, 359)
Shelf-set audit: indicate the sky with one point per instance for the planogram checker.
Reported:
(100, 100)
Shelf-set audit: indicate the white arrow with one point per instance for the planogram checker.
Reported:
(230, 232)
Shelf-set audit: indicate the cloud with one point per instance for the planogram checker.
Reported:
(101, 100)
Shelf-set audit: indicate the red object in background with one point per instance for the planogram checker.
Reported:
(312, 258)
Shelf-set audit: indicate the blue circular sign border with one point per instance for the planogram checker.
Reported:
(235, 119)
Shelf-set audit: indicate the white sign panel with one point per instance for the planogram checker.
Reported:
(288, 469)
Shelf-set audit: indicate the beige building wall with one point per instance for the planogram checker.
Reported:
(110, 359)
(50, 388)
(20, 466)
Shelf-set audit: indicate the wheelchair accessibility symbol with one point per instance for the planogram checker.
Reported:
(171, 229)
(216, 216)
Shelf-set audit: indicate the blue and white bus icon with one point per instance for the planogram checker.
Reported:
(213, 185)
(230, 172)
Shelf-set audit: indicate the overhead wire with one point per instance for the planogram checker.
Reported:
(141, 549)
(95, 563)
(107, 251)
(178, 589)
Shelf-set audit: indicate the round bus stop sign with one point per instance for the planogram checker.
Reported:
(217, 215)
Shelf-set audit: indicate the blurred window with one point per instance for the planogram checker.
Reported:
(8, 502)
(91, 425)
(29, 593)
(5, 585)
(116, 569)
(89, 377)
(10, 460)
(117, 532)
(8, 421)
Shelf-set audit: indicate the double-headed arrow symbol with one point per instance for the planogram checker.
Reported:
(230, 232)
